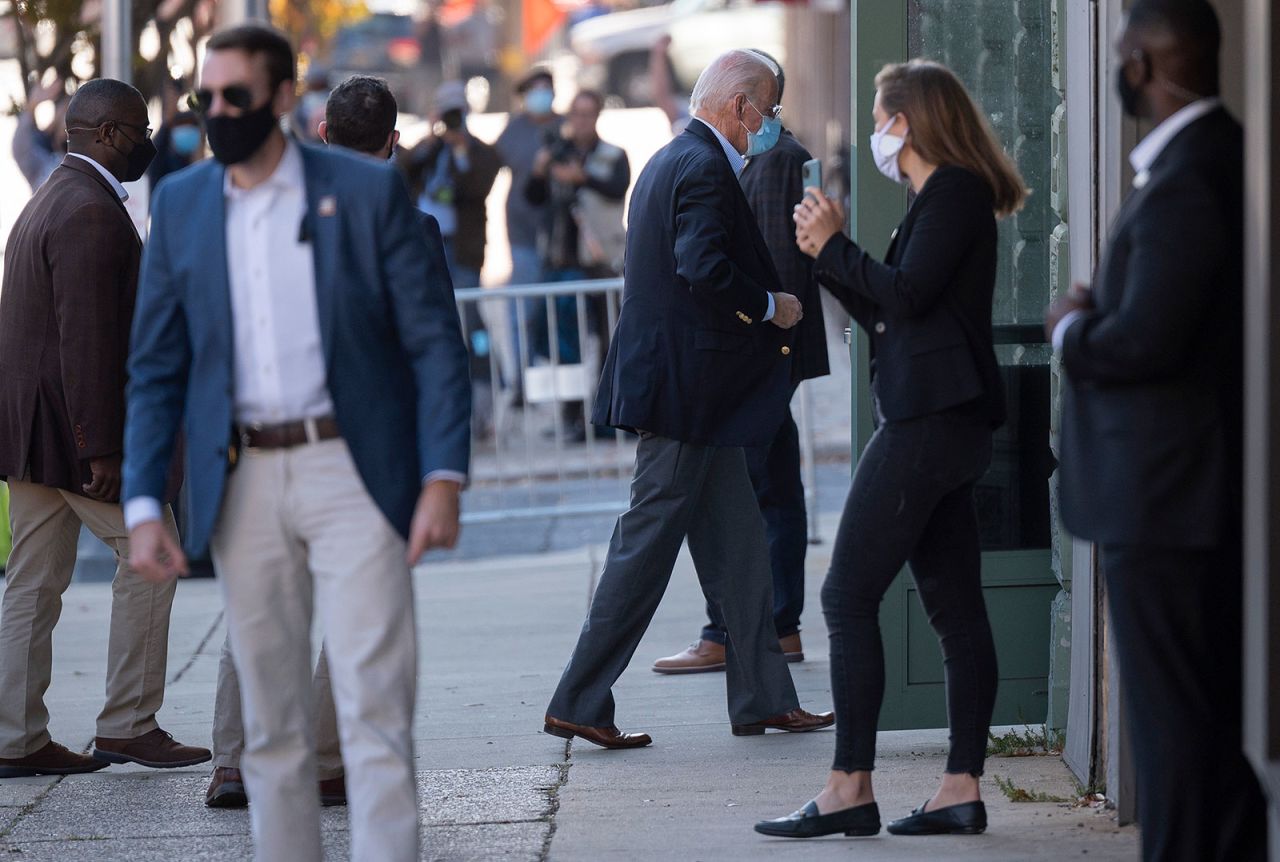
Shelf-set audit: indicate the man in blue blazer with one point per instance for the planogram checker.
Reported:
(699, 366)
(289, 312)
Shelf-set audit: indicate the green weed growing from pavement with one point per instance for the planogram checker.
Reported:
(1014, 793)
(1030, 742)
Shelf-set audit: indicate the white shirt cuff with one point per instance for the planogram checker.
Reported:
(445, 476)
(773, 306)
(1060, 331)
(140, 510)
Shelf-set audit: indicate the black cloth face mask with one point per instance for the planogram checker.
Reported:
(139, 159)
(235, 139)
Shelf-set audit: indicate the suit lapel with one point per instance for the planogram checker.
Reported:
(212, 247)
(321, 225)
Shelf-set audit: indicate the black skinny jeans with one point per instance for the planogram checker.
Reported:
(912, 502)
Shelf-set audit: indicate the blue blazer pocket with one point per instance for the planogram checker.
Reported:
(729, 342)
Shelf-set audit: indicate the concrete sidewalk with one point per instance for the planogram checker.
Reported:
(495, 635)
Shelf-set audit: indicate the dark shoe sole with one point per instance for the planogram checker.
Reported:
(564, 733)
(29, 772)
(753, 730)
(112, 757)
(794, 657)
(676, 671)
(230, 795)
(849, 833)
(959, 830)
(332, 801)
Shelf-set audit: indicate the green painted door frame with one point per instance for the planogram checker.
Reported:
(1019, 585)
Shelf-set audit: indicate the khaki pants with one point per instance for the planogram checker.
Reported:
(298, 523)
(228, 719)
(46, 524)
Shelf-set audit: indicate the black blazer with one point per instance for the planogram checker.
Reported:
(1151, 413)
(692, 358)
(927, 308)
(774, 184)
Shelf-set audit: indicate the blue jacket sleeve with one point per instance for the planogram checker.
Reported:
(426, 318)
(159, 362)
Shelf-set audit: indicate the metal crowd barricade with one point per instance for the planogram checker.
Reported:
(526, 463)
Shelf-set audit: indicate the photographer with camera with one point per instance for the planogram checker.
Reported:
(582, 181)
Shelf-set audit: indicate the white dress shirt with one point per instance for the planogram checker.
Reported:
(106, 175)
(737, 163)
(1141, 158)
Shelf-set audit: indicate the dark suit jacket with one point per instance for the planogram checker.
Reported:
(470, 189)
(395, 363)
(70, 275)
(1151, 413)
(692, 358)
(927, 308)
(774, 184)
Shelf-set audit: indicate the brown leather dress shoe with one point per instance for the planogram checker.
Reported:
(52, 759)
(605, 737)
(226, 789)
(701, 656)
(791, 648)
(795, 721)
(156, 749)
(333, 791)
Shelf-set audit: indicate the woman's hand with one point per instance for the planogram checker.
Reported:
(817, 218)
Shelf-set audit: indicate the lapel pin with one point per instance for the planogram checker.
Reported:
(328, 206)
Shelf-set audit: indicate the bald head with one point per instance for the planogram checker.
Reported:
(104, 99)
(734, 94)
(107, 121)
(1178, 42)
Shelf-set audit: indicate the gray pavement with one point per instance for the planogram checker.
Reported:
(494, 635)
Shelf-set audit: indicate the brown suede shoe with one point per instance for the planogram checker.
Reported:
(52, 759)
(795, 721)
(791, 648)
(702, 656)
(605, 737)
(333, 791)
(226, 789)
(156, 749)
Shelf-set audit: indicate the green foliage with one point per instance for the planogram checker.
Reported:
(1029, 743)
(1014, 793)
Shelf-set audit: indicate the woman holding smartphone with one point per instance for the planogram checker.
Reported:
(938, 396)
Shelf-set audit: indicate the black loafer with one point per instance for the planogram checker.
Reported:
(808, 823)
(968, 818)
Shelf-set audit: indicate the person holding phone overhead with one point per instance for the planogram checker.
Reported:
(938, 395)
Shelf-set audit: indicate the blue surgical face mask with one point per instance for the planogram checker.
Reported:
(764, 139)
(185, 140)
(538, 101)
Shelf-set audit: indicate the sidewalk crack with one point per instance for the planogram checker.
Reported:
(553, 800)
(204, 641)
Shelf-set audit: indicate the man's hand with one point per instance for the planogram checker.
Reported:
(435, 519)
(1077, 298)
(817, 218)
(569, 173)
(786, 311)
(106, 479)
(154, 553)
(540, 163)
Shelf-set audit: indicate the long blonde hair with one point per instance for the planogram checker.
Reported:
(947, 128)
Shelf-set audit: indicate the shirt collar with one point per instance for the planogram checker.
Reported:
(1144, 155)
(736, 160)
(287, 175)
(106, 175)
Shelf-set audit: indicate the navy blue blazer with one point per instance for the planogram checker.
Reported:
(692, 358)
(396, 365)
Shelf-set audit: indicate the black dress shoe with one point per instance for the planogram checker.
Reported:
(808, 823)
(968, 818)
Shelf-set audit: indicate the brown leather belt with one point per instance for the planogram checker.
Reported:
(287, 434)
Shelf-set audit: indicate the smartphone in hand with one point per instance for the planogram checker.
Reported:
(811, 174)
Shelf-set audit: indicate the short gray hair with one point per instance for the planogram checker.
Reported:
(731, 73)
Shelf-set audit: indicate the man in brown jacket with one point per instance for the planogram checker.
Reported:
(70, 274)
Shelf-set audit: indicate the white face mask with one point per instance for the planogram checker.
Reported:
(885, 149)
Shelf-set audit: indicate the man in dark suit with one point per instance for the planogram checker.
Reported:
(70, 273)
(288, 311)
(1152, 439)
(699, 367)
(773, 184)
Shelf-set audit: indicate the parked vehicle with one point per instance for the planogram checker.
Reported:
(614, 49)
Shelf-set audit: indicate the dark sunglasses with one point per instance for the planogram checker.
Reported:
(236, 95)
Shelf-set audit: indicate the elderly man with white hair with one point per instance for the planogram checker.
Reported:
(699, 367)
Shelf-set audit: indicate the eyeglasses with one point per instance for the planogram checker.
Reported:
(235, 95)
(146, 130)
(775, 112)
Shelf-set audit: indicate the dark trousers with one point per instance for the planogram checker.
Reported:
(1176, 615)
(775, 475)
(681, 491)
(912, 502)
